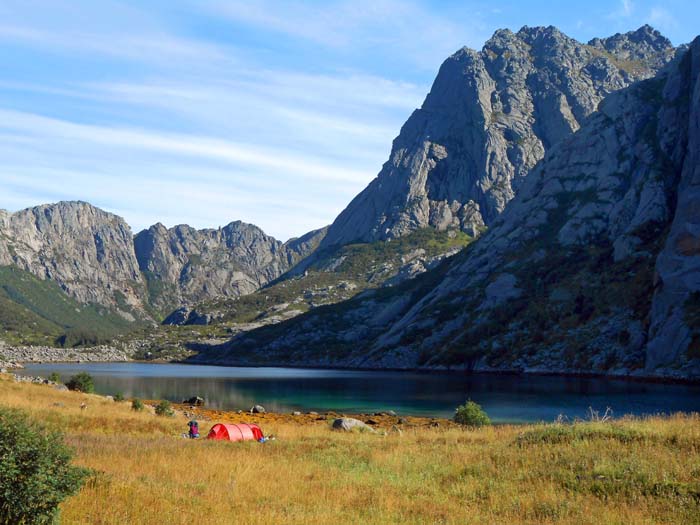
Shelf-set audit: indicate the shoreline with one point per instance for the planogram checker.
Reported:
(19, 356)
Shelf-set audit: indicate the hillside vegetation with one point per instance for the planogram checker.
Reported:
(39, 312)
(626, 471)
(339, 273)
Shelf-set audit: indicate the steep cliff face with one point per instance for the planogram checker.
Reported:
(87, 251)
(488, 119)
(184, 266)
(94, 258)
(593, 266)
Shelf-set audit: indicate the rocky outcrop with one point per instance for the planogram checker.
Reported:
(93, 256)
(488, 119)
(11, 356)
(87, 251)
(592, 268)
(184, 266)
(187, 316)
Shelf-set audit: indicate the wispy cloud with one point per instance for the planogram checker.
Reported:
(425, 34)
(161, 48)
(624, 10)
(206, 148)
(217, 133)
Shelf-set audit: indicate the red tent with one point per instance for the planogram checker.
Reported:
(240, 432)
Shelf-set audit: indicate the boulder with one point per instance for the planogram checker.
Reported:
(257, 409)
(194, 401)
(348, 424)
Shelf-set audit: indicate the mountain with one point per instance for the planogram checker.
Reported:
(183, 265)
(489, 118)
(593, 267)
(70, 266)
(88, 252)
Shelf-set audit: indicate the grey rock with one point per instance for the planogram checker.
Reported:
(348, 424)
(188, 266)
(194, 401)
(629, 176)
(86, 251)
(257, 409)
(187, 316)
(488, 119)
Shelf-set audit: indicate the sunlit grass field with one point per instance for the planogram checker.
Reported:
(628, 472)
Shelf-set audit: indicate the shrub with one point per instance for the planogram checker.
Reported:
(471, 414)
(119, 397)
(137, 405)
(81, 382)
(35, 471)
(164, 409)
(53, 376)
(81, 337)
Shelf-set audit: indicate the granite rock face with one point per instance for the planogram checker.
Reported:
(593, 267)
(185, 266)
(93, 256)
(489, 118)
(87, 251)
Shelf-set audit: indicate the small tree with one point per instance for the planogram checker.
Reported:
(53, 376)
(164, 409)
(471, 414)
(119, 397)
(35, 471)
(81, 382)
(136, 405)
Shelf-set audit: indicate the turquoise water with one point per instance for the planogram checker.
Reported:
(507, 398)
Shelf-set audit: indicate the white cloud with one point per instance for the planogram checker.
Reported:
(172, 125)
(425, 35)
(163, 49)
(625, 10)
(206, 148)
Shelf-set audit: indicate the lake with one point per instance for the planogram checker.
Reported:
(506, 398)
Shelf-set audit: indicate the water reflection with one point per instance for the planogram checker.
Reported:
(506, 398)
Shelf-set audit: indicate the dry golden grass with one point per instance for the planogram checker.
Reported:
(627, 472)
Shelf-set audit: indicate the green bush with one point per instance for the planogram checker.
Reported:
(82, 382)
(35, 471)
(53, 376)
(137, 405)
(119, 397)
(75, 337)
(164, 409)
(472, 415)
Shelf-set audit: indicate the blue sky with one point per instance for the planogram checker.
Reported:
(271, 112)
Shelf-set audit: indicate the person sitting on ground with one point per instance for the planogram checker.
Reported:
(194, 429)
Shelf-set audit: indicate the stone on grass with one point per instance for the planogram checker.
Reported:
(348, 424)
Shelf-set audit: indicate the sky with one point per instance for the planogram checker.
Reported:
(276, 113)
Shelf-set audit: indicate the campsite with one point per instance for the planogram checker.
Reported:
(142, 470)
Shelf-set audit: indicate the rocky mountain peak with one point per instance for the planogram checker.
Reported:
(593, 267)
(86, 250)
(646, 44)
(184, 265)
(489, 118)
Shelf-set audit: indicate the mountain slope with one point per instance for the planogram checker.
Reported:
(86, 251)
(593, 267)
(488, 119)
(184, 266)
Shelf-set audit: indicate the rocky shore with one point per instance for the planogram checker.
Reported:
(14, 356)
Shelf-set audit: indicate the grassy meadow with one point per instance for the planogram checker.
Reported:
(630, 471)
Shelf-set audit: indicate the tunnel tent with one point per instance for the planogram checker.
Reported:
(239, 432)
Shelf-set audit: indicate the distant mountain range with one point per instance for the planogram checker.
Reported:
(573, 166)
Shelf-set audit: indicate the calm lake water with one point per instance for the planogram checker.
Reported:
(507, 398)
